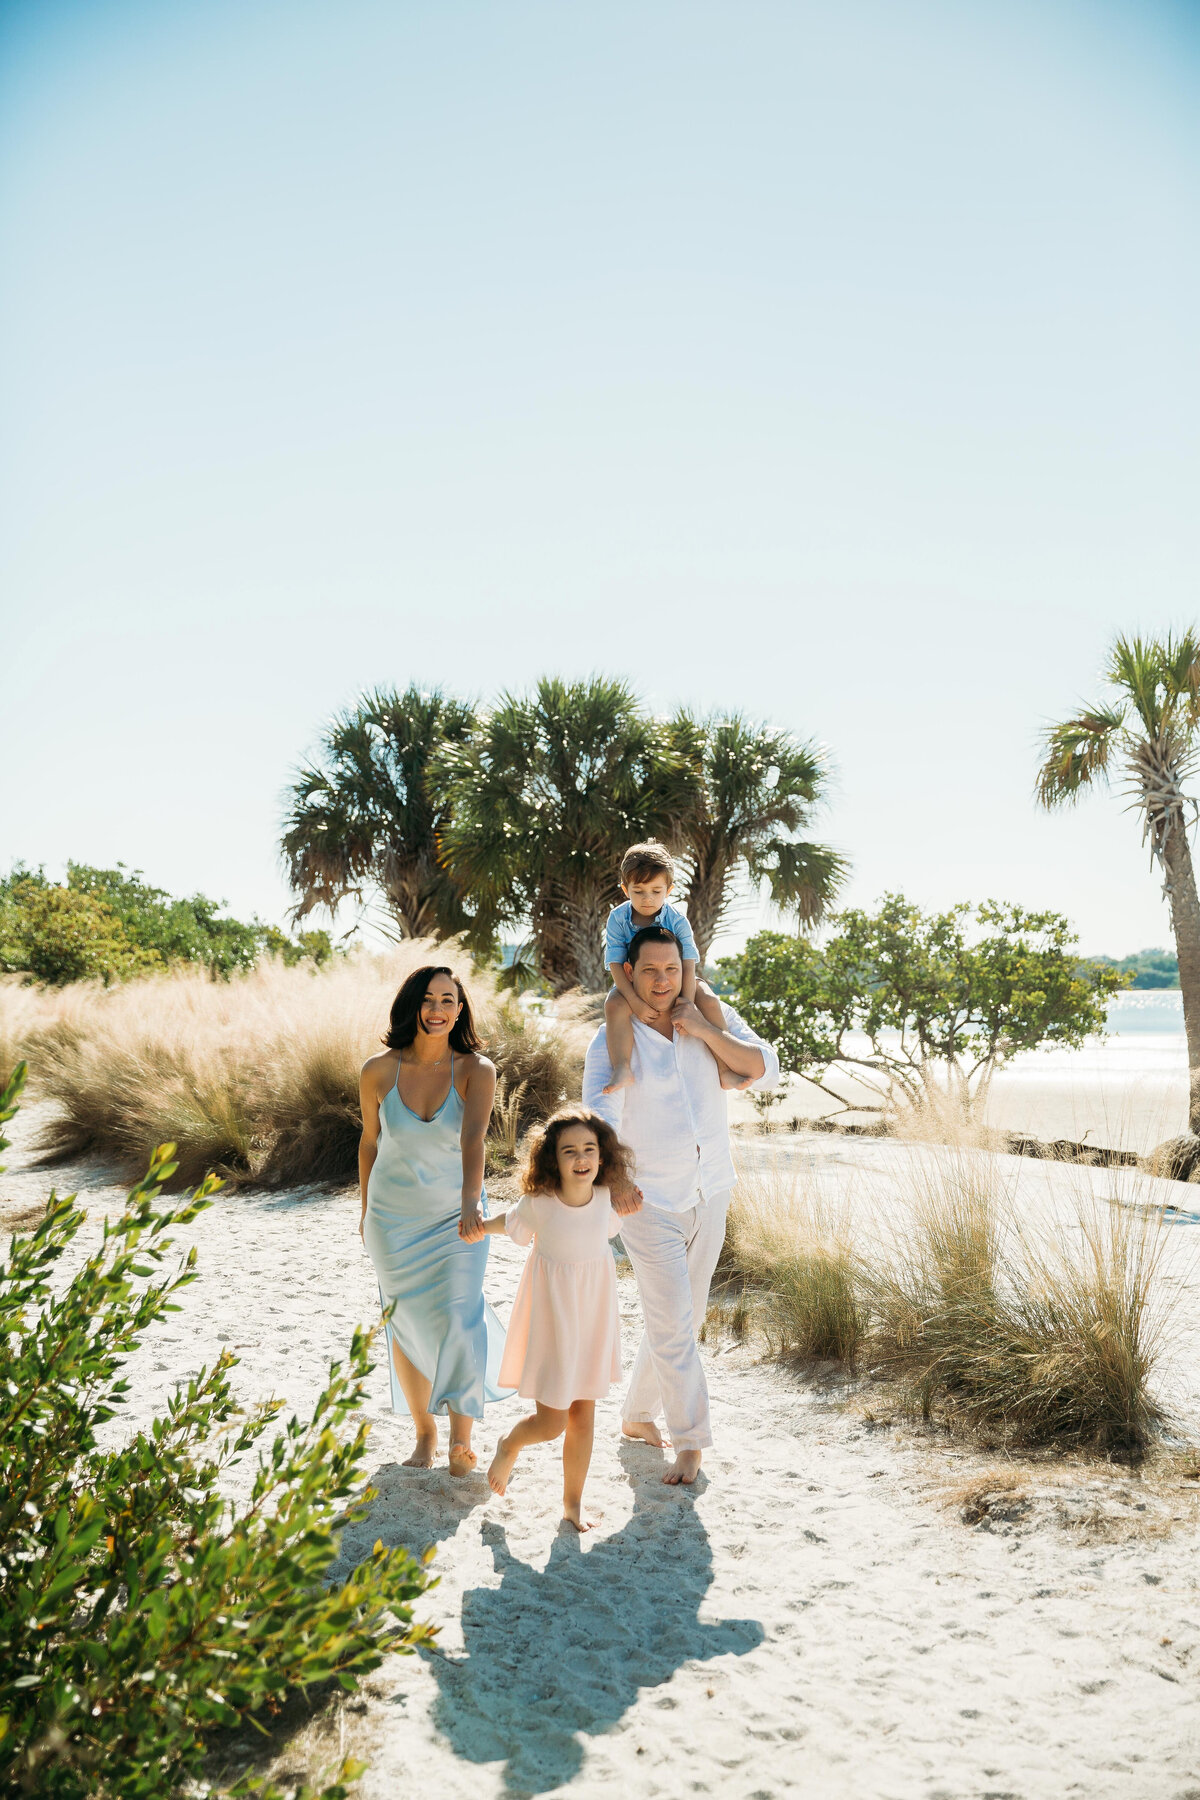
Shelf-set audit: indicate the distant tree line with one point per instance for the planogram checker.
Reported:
(514, 817)
(109, 924)
(1145, 968)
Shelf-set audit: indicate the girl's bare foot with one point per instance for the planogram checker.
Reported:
(622, 1078)
(643, 1429)
(501, 1465)
(575, 1515)
(424, 1451)
(462, 1459)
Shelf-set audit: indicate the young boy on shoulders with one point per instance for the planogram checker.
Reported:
(647, 879)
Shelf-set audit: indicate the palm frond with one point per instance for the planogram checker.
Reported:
(802, 878)
(1078, 752)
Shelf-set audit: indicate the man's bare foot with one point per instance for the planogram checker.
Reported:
(622, 1078)
(462, 1459)
(643, 1429)
(501, 1466)
(575, 1515)
(424, 1451)
(684, 1470)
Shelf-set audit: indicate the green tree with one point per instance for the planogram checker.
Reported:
(177, 930)
(364, 820)
(944, 1000)
(1147, 736)
(755, 789)
(140, 1611)
(57, 934)
(544, 797)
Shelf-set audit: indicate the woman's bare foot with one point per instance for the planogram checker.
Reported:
(684, 1469)
(462, 1459)
(643, 1429)
(424, 1451)
(575, 1515)
(502, 1465)
(622, 1077)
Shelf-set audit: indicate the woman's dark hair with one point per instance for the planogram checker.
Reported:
(405, 1019)
(540, 1174)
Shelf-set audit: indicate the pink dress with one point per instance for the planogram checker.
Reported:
(564, 1337)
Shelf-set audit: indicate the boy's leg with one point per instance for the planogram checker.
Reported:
(710, 1007)
(618, 1036)
(577, 1456)
(546, 1423)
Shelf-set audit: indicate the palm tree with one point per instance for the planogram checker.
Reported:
(544, 797)
(754, 789)
(362, 817)
(1149, 735)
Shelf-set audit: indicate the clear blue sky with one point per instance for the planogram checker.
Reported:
(836, 362)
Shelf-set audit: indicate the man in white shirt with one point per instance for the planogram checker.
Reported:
(674, 1120)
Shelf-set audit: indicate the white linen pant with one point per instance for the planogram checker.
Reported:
(673, 1256)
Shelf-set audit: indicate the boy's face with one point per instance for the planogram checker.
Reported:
(649, 893)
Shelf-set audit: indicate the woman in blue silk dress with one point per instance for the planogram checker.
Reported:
(426, 1102)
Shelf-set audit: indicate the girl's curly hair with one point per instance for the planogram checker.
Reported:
(540, 1174)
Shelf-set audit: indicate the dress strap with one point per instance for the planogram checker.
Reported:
(399, 1061)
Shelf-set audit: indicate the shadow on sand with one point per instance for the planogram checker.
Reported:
(562, 1652)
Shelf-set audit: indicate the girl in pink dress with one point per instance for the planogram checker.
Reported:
(564, 1338)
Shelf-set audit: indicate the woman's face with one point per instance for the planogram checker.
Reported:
(578, 1153)
(440, 1007)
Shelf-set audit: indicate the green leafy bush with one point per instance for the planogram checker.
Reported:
(943, 999)
(140, 1610)
(109, 924)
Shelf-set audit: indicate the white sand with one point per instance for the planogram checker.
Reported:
(812, 1619)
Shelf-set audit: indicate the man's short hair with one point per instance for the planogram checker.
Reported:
(649, 934)
(644, 861)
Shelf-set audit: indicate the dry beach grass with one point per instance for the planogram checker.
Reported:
(256, 1077)
(1019, 1331)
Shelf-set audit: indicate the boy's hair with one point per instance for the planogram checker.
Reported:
(644, 861)
(540, 1174)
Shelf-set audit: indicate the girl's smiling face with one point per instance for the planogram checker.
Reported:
(440, 1007)
(578, 1155)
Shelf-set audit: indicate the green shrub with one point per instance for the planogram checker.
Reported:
(109, 924)
(139, 1610)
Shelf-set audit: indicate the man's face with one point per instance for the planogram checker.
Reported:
(657, 976)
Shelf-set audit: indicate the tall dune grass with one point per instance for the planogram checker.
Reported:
(256, 1077)
(1017, 1335)
(796, 1254)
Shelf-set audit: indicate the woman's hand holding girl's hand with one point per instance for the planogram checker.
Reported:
(470, 1225)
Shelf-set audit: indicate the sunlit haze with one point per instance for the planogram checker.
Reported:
(831, 362)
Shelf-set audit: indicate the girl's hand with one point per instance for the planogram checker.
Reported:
(628, 1200)
(470, 1225)
(644, 1012)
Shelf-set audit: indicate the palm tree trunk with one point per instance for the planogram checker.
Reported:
(586, 918)
(1185, 923)
(706, 903)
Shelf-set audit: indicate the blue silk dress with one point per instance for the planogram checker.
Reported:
(440, 1320)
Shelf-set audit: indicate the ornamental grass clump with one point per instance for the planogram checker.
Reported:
(255, 1077)
(1030, 1338)
(795, 1255)
(140, 1611)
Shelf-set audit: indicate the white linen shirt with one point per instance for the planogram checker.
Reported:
(674, 1118)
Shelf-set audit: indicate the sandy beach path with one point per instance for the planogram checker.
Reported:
(808, 1620)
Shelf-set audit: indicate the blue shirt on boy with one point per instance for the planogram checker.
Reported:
(621, 929)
